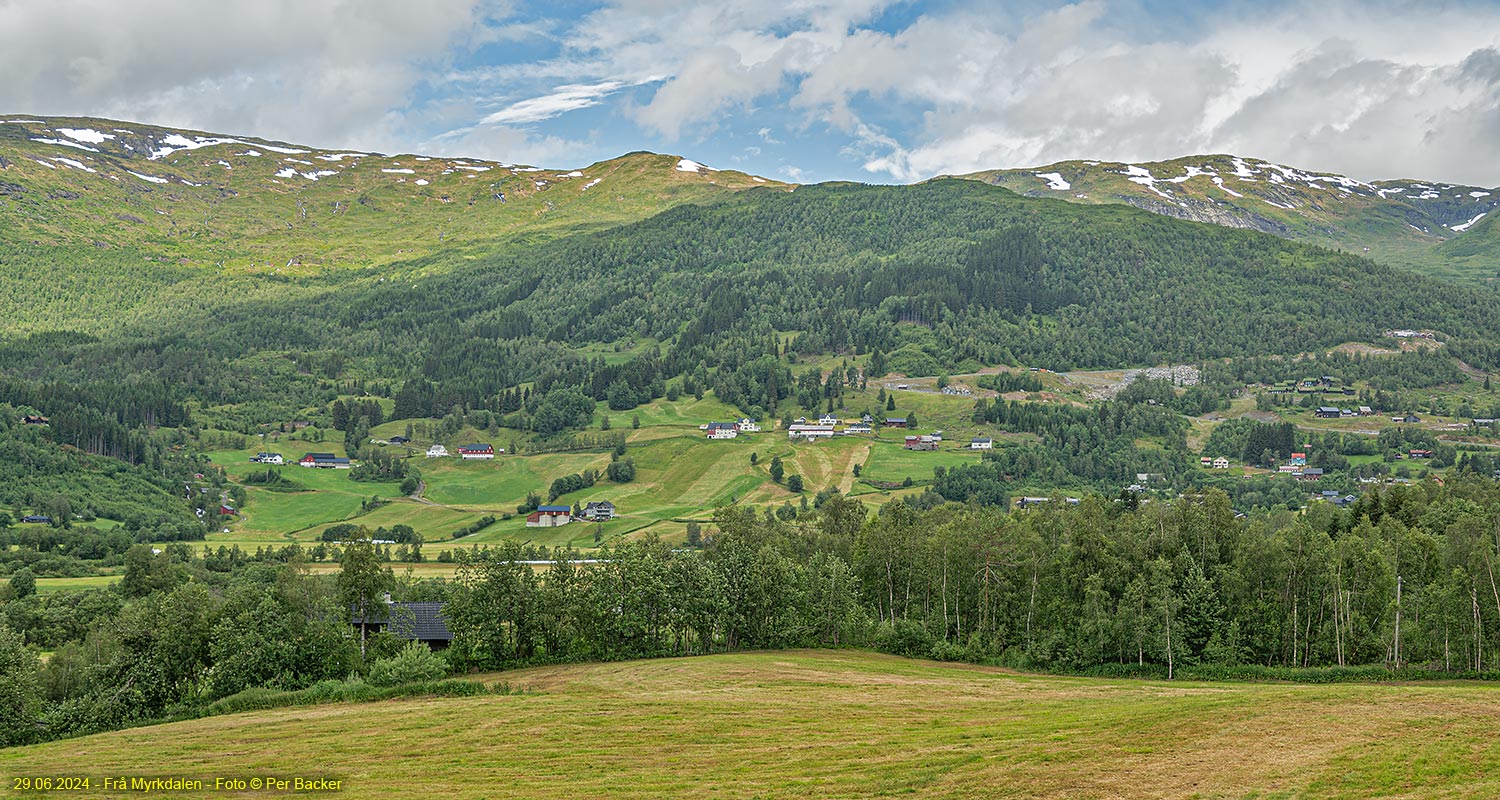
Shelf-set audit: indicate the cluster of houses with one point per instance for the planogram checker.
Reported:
(468, 452)
(325, 461)
(1334, 412)
(729, 430)
(827, 427)
(556, 516)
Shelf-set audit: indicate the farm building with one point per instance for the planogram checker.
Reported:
(399, 440)
(1327, 412)
(981, 443)
(828, 419)
(921, 443)
(723, 433)
(37, 519)
(35, 419)
(267, 458)
(549, 517)
(413, 622)
(895, 422)
(858, 427)
(811, 432)
(599, 511)
(476, 452)
(1221, 463)
(325, 461)
(747, 425)
(1310, 474)
(1297, 458)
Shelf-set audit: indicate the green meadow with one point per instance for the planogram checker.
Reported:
(835, 724)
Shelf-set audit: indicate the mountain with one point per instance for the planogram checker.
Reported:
(1424, 226)
(247, 204)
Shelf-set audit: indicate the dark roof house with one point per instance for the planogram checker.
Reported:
(416, 622)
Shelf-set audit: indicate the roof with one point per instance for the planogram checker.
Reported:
(320, 456)
(555, 509)
(980, 439)
(895, 419)
(1328, 408)
(599, 504)
(482, 448)
(424, 623)
(1312, 471)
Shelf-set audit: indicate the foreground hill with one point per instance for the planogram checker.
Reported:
(1430, 227)
(836, 724)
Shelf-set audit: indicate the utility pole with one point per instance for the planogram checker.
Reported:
(1398, 622)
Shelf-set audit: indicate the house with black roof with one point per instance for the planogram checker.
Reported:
(414, 622)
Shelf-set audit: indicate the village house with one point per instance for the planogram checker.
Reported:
(981, 443)
(1310, 474)
(599, 511)
(1420, 453)
(35, 419)
(437, 451)
(1327, 412)
(1366, 411)
(37, 519)
(1221, 463)
(549, 517)
(747, 425)
(413, 622)
(857, 427)
(895, 422)
(399, 440)
(325, 461)
(267, 458)
(1297, 458)
(1289, 469)
(722, 430)
(811, 432)
(476, 452)
(921, 443)
(828, 419)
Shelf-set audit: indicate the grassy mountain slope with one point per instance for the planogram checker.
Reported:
(835, 724)
(1407, 223)
(245, 204)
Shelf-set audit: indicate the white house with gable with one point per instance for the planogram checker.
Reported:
(437, 451)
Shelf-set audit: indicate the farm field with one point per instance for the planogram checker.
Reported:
(839, 724)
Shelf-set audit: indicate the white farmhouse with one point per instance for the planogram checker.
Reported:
(437, 451)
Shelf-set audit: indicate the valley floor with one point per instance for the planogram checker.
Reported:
(820, 724)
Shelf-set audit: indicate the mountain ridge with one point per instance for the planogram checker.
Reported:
(248, 203)
(1401, 222)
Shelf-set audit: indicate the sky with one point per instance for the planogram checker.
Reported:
(807, 90)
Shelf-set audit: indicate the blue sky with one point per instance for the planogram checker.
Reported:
(866, 90)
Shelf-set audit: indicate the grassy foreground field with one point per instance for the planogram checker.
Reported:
(813, 724)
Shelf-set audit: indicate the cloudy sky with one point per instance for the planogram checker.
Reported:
(804, 90)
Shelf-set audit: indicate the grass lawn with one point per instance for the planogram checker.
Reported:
(842, 724)
(890, 461)
(50, 585)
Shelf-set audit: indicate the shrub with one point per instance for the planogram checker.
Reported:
(414, 664)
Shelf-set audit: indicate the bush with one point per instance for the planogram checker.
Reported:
(414, 664)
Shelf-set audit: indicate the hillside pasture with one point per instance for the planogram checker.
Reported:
(840, 724)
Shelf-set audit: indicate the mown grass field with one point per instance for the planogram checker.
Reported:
(816, 724)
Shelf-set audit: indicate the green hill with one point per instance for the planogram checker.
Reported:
(1427, 227)
(834, 725)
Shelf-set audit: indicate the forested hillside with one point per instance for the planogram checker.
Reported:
(942, 276)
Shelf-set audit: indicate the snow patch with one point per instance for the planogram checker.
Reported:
(45, 164)
(757, 179)
(1469, 224)
(574, 174)
(173, 143)
(1219, 182)
(249, 153)
(338, 156)
(74, 164)
(1477, 195)
(290, 172)
(1144, 177)
(289, 151)
(400, 171)
(148, 178)
(226, 164)
(64, 143)
(85, 135)
(486, 169)
(422, 181)
(689, 165)
(1279, 205)
(24, 121)
(1055, 181)
(594, 182)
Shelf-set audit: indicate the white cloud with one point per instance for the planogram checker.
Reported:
(559, 101)
(335, 71)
